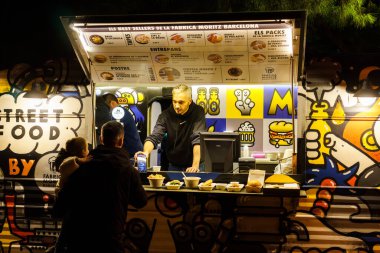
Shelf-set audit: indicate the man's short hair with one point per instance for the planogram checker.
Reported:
(112, 131)
(110, 97)
(182, 88)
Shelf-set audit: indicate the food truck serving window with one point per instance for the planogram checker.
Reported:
(254, 48)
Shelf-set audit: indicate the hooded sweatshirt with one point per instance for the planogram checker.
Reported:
(182, 133)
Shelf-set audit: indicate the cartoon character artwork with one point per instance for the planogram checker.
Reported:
(247, 133)
(211, 104)
(281, 133)
(216, 124)
(211, 128)
(366, 163)
(317, 130)
(35, 129)
(202, 98)
(130, 99)
(243, 102)
(342, 159)
(214, 102)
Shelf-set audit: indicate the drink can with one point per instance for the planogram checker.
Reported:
(141, 163)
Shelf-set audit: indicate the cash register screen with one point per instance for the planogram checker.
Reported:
(219, 150)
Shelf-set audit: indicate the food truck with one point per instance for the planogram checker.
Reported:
(246, 71)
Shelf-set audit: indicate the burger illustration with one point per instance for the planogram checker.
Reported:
(281, 133)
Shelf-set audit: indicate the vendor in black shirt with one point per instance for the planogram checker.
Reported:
(182, 122)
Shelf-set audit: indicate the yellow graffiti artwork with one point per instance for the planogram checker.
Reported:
(6, 236)
(320, 127)
(201, 98)
(338, 116)
(214, 102)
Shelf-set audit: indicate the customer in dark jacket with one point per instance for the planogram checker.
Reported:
(104, 106)
(182, 122)
(93, 203)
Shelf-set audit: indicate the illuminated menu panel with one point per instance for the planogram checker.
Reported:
(197, 53)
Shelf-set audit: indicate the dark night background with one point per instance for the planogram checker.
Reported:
(32, 32)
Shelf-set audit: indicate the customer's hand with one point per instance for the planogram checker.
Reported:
(192, 169)
(141, 152)
(82, 160)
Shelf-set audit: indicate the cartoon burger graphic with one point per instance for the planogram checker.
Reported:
(281, 133)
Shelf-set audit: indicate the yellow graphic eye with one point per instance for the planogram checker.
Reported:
(368, 141)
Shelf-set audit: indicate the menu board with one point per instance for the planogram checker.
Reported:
(193, 53)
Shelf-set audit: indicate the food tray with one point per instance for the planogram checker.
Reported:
(206, 188)
(220, 186)
(235, 188)
(173, 187)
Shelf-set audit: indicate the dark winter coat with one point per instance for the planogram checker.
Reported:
(94, 201)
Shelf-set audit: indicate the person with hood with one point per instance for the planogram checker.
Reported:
(181, 123)
(70, 158)
(93, 202)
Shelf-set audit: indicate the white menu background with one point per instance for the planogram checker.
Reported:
(200, 53)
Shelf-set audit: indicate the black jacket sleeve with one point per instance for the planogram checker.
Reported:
(159, 131)
(199, 126)
(138, 197)
(59, 207)
(64, 198)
